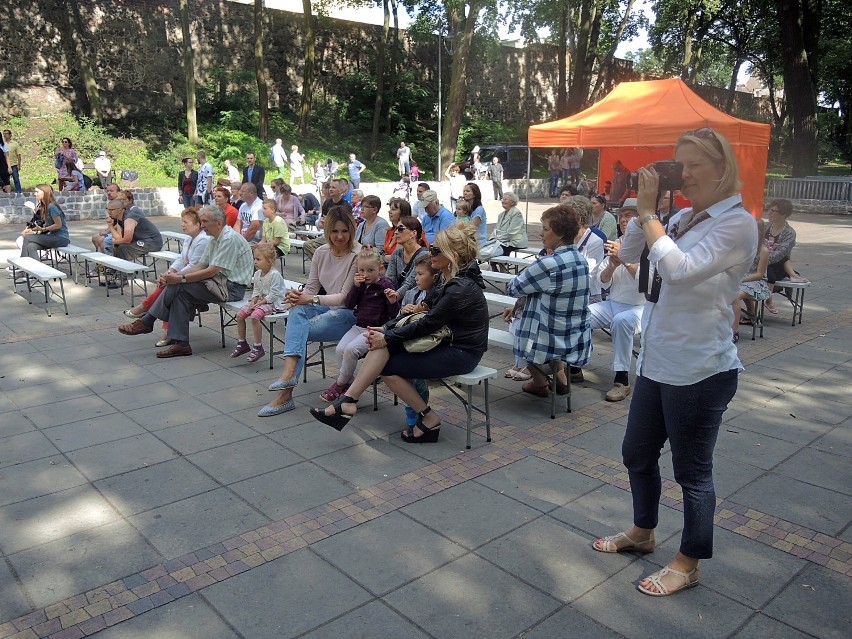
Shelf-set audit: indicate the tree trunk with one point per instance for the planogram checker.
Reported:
(732, 85)
(260, 74)
(380, 80)
(562, 63)
(396, 50)
(86, 72)
(605, 65)
(308, 72)
(463, 27)
(801, 91)
(188, 74)
(587, 33)
(686, 61)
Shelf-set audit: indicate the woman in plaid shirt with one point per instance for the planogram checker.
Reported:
(555, 323)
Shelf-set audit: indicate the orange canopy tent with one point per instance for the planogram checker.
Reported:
(639, 122)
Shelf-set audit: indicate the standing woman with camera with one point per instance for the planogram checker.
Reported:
(687, 370)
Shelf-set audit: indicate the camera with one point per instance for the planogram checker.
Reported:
(670, 172)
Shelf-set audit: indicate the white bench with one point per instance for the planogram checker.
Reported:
(495, 277)
(43, 274)
(168, 256)
(515, 263)
(173, 236)
(527, 251)
(123, 267)
(796, 296)
(503, 339)
(299, 245)
(468, 381)
(67, 254)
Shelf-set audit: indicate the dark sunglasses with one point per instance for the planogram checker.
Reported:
(401, 228)
(434, 250)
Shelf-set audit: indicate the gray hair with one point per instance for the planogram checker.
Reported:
(511, 196)
(358, 192)
(216, 214)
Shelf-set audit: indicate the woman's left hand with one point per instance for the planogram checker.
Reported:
(376, 338)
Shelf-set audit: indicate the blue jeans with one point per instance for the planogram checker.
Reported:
(187, 200)
(421, 387)
(314, 323)
(554, 184)
(16, 178)
(689, 417)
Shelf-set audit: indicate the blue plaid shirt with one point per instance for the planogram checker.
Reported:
(555, 322)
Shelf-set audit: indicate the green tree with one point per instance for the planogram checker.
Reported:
(188, 74)
(260, 74)
(90, 85)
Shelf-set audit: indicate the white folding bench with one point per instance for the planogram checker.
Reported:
(173, 236)
(495, 277)
(468, 381)
(167, 256)
(43, 274)
(503, 339)
(516, 264)
(122, 267)
(796, 296)
(70, 254)
(299, 245)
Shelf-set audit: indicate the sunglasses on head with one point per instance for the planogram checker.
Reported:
(705, 133)
(434, 250)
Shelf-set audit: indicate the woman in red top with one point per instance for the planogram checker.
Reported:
(222, 196)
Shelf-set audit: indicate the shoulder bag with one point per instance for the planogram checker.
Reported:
(425, 342)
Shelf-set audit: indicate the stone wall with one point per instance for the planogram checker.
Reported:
(134, 47)
(820, 207)
(89, 206)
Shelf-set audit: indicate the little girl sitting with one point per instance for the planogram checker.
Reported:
(462, 211)
(372, 308)
(415, 301)
(267, 296)
(275, 231)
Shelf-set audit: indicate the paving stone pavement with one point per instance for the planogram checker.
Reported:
(144, 498)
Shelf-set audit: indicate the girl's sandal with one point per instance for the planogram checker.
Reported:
(339, 419)
(690, 579)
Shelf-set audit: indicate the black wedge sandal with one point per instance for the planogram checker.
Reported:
(339, 420)
(429, 435)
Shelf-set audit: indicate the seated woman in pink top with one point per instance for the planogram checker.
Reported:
(289, 206)
(315, 316)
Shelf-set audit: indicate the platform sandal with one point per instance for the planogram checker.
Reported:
(339, 420)
(428, 436)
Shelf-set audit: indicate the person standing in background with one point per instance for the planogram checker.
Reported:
(233, 172)
(355, 167)
(204, 186)
(495, 174)
(279, 157)
(403, 156)
(255, 174)
(103, 167)
(14, 158)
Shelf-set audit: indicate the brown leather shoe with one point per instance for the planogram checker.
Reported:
(137, 327)
(176, 350)
(540, 391)
(576, 378)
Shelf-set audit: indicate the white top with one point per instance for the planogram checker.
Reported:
(271, 286)
(593, 251)
(686, 335)
(205, 175)
(191, 252)
(418, 209)
(623, 288)
(250, 213)
(234, 174)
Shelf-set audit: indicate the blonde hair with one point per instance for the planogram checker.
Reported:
(582, 205)
(266, 251)
(368, 255)
(464, 205)
(716, 147)
(458, 244)
(272, 204)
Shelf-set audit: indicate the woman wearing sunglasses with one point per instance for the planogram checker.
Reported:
(688, 363)
(400, 269)
(458, 304)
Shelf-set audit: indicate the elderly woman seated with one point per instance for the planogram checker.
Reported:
(554, 324)
(458, 305)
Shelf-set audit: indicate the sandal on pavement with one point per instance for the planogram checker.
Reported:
(521, 375)
(339, 419)
(770, 306)
(165, 342)
(241, 348)
(538, 391)
(428, 436)
(690, 579)
(128, 312)
(610, 544)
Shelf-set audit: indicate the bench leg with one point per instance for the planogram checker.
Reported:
(468, 410)
(487, 414)
(64, 301)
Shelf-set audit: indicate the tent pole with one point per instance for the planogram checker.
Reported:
(527, 211)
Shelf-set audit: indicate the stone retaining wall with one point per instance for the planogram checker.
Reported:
(820, 207)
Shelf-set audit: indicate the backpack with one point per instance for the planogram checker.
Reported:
(87, 181)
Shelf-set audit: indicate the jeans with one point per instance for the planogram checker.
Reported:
(554, 184)
(33, 243)
(422, 388)
(689, 417)
(16, 178)
(187, 200)
(314, 323)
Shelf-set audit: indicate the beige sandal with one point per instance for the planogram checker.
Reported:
(656, 580)
(610, 544)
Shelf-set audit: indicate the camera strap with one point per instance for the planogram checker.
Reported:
(653, 294)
